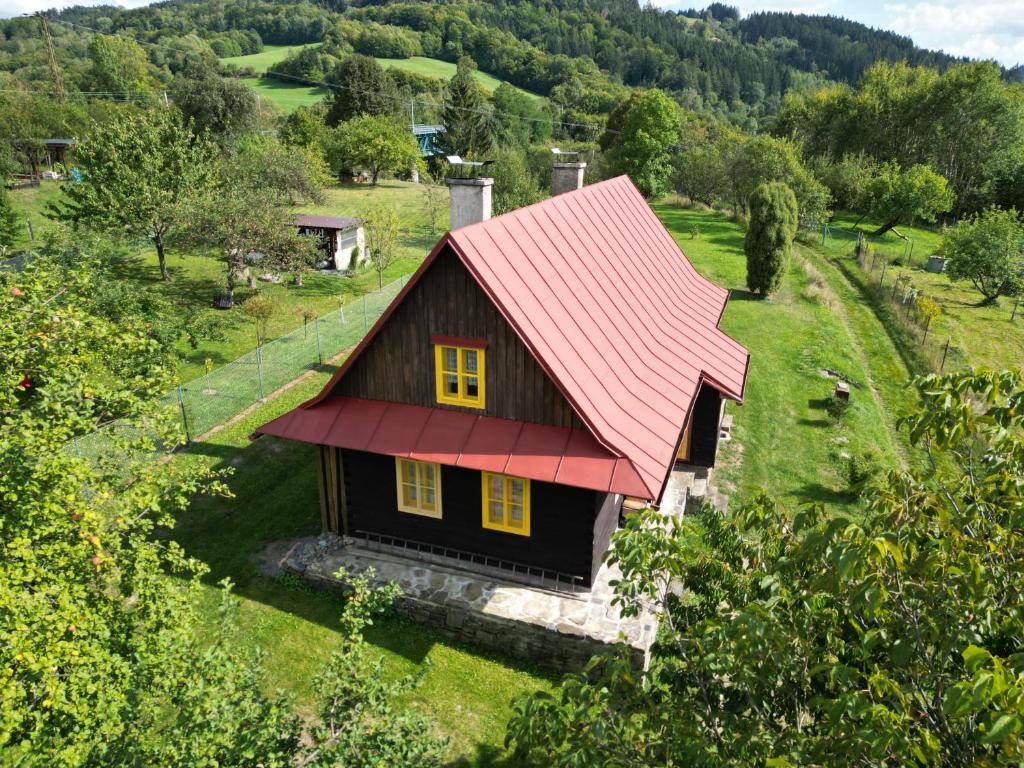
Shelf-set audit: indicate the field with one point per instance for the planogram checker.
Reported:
(290, 96)
(198, 278)
(445, 70)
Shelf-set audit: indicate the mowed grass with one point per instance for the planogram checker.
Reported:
(30, 205)
(445, 70)
(466, 693)
(984, 333)
(265, 59)
(198, 278)
(786, 442)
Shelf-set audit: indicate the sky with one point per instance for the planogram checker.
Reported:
(981, 29)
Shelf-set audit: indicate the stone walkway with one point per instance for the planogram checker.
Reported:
(555, 629)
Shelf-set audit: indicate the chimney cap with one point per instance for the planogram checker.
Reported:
(471, 166)
(560, 152)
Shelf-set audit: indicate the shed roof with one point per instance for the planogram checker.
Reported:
(603, 297)
(458, 439)
(326, 222)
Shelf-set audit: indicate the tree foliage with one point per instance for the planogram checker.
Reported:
(889, 638)
(648, 127)
(10, 223)
(119, 66)
(223, 107)
(466, 115)
(137, 173)
(769, 240)
(380, 225)
(363, 88)
(896, 196)
(373, 144)
(988, 250)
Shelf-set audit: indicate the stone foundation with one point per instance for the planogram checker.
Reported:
(553, 629)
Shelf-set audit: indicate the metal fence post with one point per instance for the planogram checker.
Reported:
(1015, 305)
(31, 234)
(366, 326)
(184, 414)
(945, 352)
(259, 371)
(316, 330)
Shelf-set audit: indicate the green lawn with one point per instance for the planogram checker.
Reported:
(30, 204)
(265, 59)
(785, 440)
(466, 693)
(197, 278)
(445, 70)
(984, 335)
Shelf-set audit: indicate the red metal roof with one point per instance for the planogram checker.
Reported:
(603, 297)
(457, 439)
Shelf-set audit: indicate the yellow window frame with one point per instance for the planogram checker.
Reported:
(498, 498)
(463, 375)
(414, 482)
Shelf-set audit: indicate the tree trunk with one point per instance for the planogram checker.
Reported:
(376, 173)
(297, 280)
(885, 228)
(161, 257)
(229, 285)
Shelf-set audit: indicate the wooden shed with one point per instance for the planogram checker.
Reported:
(340, 237)
(538, 368)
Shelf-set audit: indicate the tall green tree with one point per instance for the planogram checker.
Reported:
(988, 250)
(363, 88)
(515, 184)
(761, 159)
(466, 115)
(224, 107)
(105, 655)
(518, 120)
(137, 174)
(374, 144)
(649, 127)
(891, 637)
(895, 196)
(119, 66)
(381, 227)
(769, 239)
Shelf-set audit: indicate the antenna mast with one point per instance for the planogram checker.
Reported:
(55, 76)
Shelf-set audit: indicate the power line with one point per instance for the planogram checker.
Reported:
(393, 97)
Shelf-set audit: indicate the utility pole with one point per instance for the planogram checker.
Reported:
(51, 58)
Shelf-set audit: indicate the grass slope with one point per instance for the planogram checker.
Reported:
(786, 442)
(445, 70)
(265, 59)
(466, 693)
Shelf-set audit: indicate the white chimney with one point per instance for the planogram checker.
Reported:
(566, 176)
(470, 200)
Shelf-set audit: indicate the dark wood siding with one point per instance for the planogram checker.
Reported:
(706, 422)
(398, 365)
(562, 535)
(605, 524)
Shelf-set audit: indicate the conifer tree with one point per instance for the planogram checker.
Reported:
(773, 224)
(466, 116)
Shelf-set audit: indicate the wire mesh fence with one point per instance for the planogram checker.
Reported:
(883, 269)
(211, 400)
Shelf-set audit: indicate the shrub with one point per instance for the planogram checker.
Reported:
(773, 225)
(863, 468)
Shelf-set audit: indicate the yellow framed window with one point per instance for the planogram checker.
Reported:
(506, 503)
(419, 487)
(460, 375)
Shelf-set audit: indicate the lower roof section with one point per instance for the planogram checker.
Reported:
(458, 439)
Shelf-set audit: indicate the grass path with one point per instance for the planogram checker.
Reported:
(887, 378)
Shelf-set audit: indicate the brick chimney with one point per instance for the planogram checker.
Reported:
(470, 200)
(566, 176)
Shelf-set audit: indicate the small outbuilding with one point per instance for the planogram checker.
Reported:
(342, 239)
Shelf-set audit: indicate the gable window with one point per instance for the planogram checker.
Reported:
(419, 487)
(506, 503)
(460, 375)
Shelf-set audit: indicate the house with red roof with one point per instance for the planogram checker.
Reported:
(539, 369)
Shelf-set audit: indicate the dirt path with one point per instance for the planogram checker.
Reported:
(818, 265)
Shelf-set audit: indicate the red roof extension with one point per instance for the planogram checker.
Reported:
(457, 439)
(602, 296)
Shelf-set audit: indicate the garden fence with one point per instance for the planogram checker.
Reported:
(213, 399)
(884, 270)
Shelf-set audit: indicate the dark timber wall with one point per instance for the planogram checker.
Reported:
(706, 422)
(563, 535)
(398, 365)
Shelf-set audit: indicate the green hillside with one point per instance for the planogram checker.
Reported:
(265, 59)
(444, 70)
